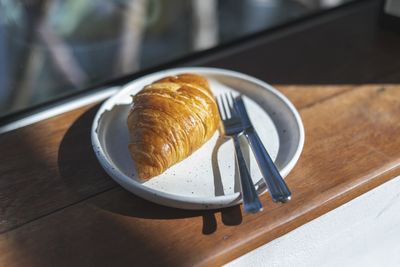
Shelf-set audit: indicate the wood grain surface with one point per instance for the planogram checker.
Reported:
(59, 208)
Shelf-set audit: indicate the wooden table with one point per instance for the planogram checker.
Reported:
(59, 208)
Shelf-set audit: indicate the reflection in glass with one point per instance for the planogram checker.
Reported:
(52, 48)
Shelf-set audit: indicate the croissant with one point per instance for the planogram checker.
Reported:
(169, 120)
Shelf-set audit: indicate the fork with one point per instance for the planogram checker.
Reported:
(233, 128)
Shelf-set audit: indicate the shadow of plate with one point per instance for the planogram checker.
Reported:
(83, 176)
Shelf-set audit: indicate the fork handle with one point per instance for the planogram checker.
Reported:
(277, 187)
(251, 201)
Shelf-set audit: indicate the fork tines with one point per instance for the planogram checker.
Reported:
(225, 105)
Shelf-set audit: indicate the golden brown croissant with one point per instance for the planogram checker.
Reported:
(170, 119)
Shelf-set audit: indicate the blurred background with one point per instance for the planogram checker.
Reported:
(49, 49)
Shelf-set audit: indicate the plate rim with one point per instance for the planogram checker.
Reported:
(179, 201)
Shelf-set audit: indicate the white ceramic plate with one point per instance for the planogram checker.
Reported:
(208, 178)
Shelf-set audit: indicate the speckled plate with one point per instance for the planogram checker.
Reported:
(208, 178)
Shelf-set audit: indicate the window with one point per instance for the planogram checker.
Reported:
(50, 49)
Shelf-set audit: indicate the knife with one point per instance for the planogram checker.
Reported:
(277, 187)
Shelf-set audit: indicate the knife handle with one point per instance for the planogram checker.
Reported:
(277, 187)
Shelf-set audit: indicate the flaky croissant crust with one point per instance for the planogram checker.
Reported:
(169, 120)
